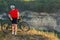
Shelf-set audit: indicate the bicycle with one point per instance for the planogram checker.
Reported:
(24, 26)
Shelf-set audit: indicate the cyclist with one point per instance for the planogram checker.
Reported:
(14, 16)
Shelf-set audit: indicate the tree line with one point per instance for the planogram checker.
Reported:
(37, 5)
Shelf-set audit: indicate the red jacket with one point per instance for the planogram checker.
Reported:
(14, 13)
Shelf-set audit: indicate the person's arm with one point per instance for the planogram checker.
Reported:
(10, 17)
(18, 16)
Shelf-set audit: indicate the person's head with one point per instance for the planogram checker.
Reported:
(12, 6)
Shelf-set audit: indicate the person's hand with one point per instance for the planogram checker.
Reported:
(19, 20)
(11, 19)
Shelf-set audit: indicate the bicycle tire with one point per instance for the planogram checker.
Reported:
(22, 24)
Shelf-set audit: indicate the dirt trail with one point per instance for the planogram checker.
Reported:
(25, 37)
(30, 35)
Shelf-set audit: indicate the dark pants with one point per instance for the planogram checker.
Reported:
(14, 21)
